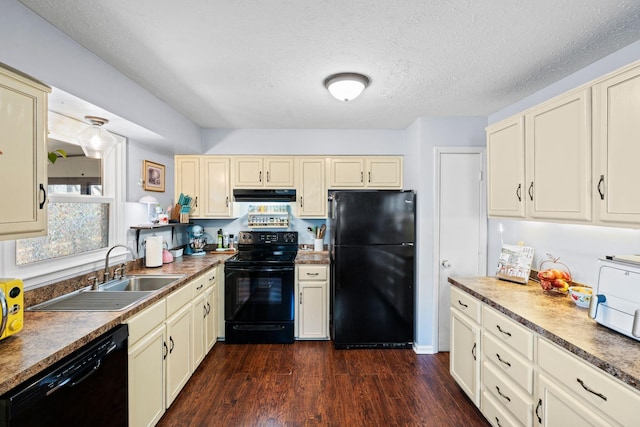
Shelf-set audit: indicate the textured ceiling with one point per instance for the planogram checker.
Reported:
(261, 64)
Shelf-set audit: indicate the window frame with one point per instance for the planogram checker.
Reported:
(50, 271)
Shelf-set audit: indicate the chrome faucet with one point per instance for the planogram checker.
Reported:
(106, 261)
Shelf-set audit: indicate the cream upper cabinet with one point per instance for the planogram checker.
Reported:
(312, 187)
(616, 149)
(505, 166)
(187, 180)
(351, 172)
(384, 172)
(257, 172)
(558, 158)
(216, 197)
(23, 156)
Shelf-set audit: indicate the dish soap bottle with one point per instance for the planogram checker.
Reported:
(220, 238)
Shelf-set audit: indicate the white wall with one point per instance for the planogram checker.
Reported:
(424, 136)
(578, 246)
(304, 141)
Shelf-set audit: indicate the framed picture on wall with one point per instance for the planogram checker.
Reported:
(153, 176)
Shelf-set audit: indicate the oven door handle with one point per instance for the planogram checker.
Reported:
(259, 269)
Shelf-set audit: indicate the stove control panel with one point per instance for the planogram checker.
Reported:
(260, 238)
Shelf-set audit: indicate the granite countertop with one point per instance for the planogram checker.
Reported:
(312, 257)
(558, 319)
(49, 336)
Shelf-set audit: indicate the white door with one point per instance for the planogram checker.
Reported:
(461, 225)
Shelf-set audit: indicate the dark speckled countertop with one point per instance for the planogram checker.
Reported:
(558, 319)
(47, 337)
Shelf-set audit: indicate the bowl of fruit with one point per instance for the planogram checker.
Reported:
(581, 295)
(556, 277)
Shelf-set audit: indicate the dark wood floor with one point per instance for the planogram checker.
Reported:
(309, 383)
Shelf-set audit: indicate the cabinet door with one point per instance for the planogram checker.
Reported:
(464, 362)
(505, 169)
(616, 151)
(23, 160)
(179, 332)
(556, 407)
(384, 172)
(558, 153)
(211, 320)
(247, 172)
(312, 188)
(216, 188)
(187, 180)
(147, 378)
(312, 310)
(346, 172)
(279, 172)
(199, 316)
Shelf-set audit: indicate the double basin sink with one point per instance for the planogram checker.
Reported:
(115, 295)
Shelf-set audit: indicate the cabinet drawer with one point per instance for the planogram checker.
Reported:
(495, 413)
(312, 272)
(210, 278)
(597, 389)
(198, 285)
(509, 332)
(508, 361)
(145, 321)
(508, 394)
(466, 304)
(178, 298)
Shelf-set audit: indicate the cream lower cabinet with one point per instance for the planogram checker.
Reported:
(616, 132)
(23, 158)
(167, 341)
(311, 311)
(464, 358)
(570, 389)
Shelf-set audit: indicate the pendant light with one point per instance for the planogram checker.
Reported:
(346, 86)
(96, 142)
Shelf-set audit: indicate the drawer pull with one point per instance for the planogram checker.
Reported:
(463, 304)
(504, 396)
(498, 422)
(537, 409)
(473, 351)
(504, 362)
(199, 287)
(584, 386)
(503, 332)
(312, 274)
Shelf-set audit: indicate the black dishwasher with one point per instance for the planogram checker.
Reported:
(87, 388)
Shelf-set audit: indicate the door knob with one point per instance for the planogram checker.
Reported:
(446, 263)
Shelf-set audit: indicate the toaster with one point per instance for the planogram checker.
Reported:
(616, 298)
(12, 306)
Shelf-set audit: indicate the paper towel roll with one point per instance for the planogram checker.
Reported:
(153, 251)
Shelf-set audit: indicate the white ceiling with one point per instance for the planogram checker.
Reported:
(261, 64)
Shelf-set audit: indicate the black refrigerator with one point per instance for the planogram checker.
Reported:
(371, 246)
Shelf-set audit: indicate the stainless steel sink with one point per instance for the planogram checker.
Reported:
(143, 283)
(91, 301)
(115, 295)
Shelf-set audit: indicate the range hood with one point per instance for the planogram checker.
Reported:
(287, 195)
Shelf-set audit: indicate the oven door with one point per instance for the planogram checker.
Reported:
(259, 293)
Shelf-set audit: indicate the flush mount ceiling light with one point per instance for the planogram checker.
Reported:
(346, 86)
(96, 142)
